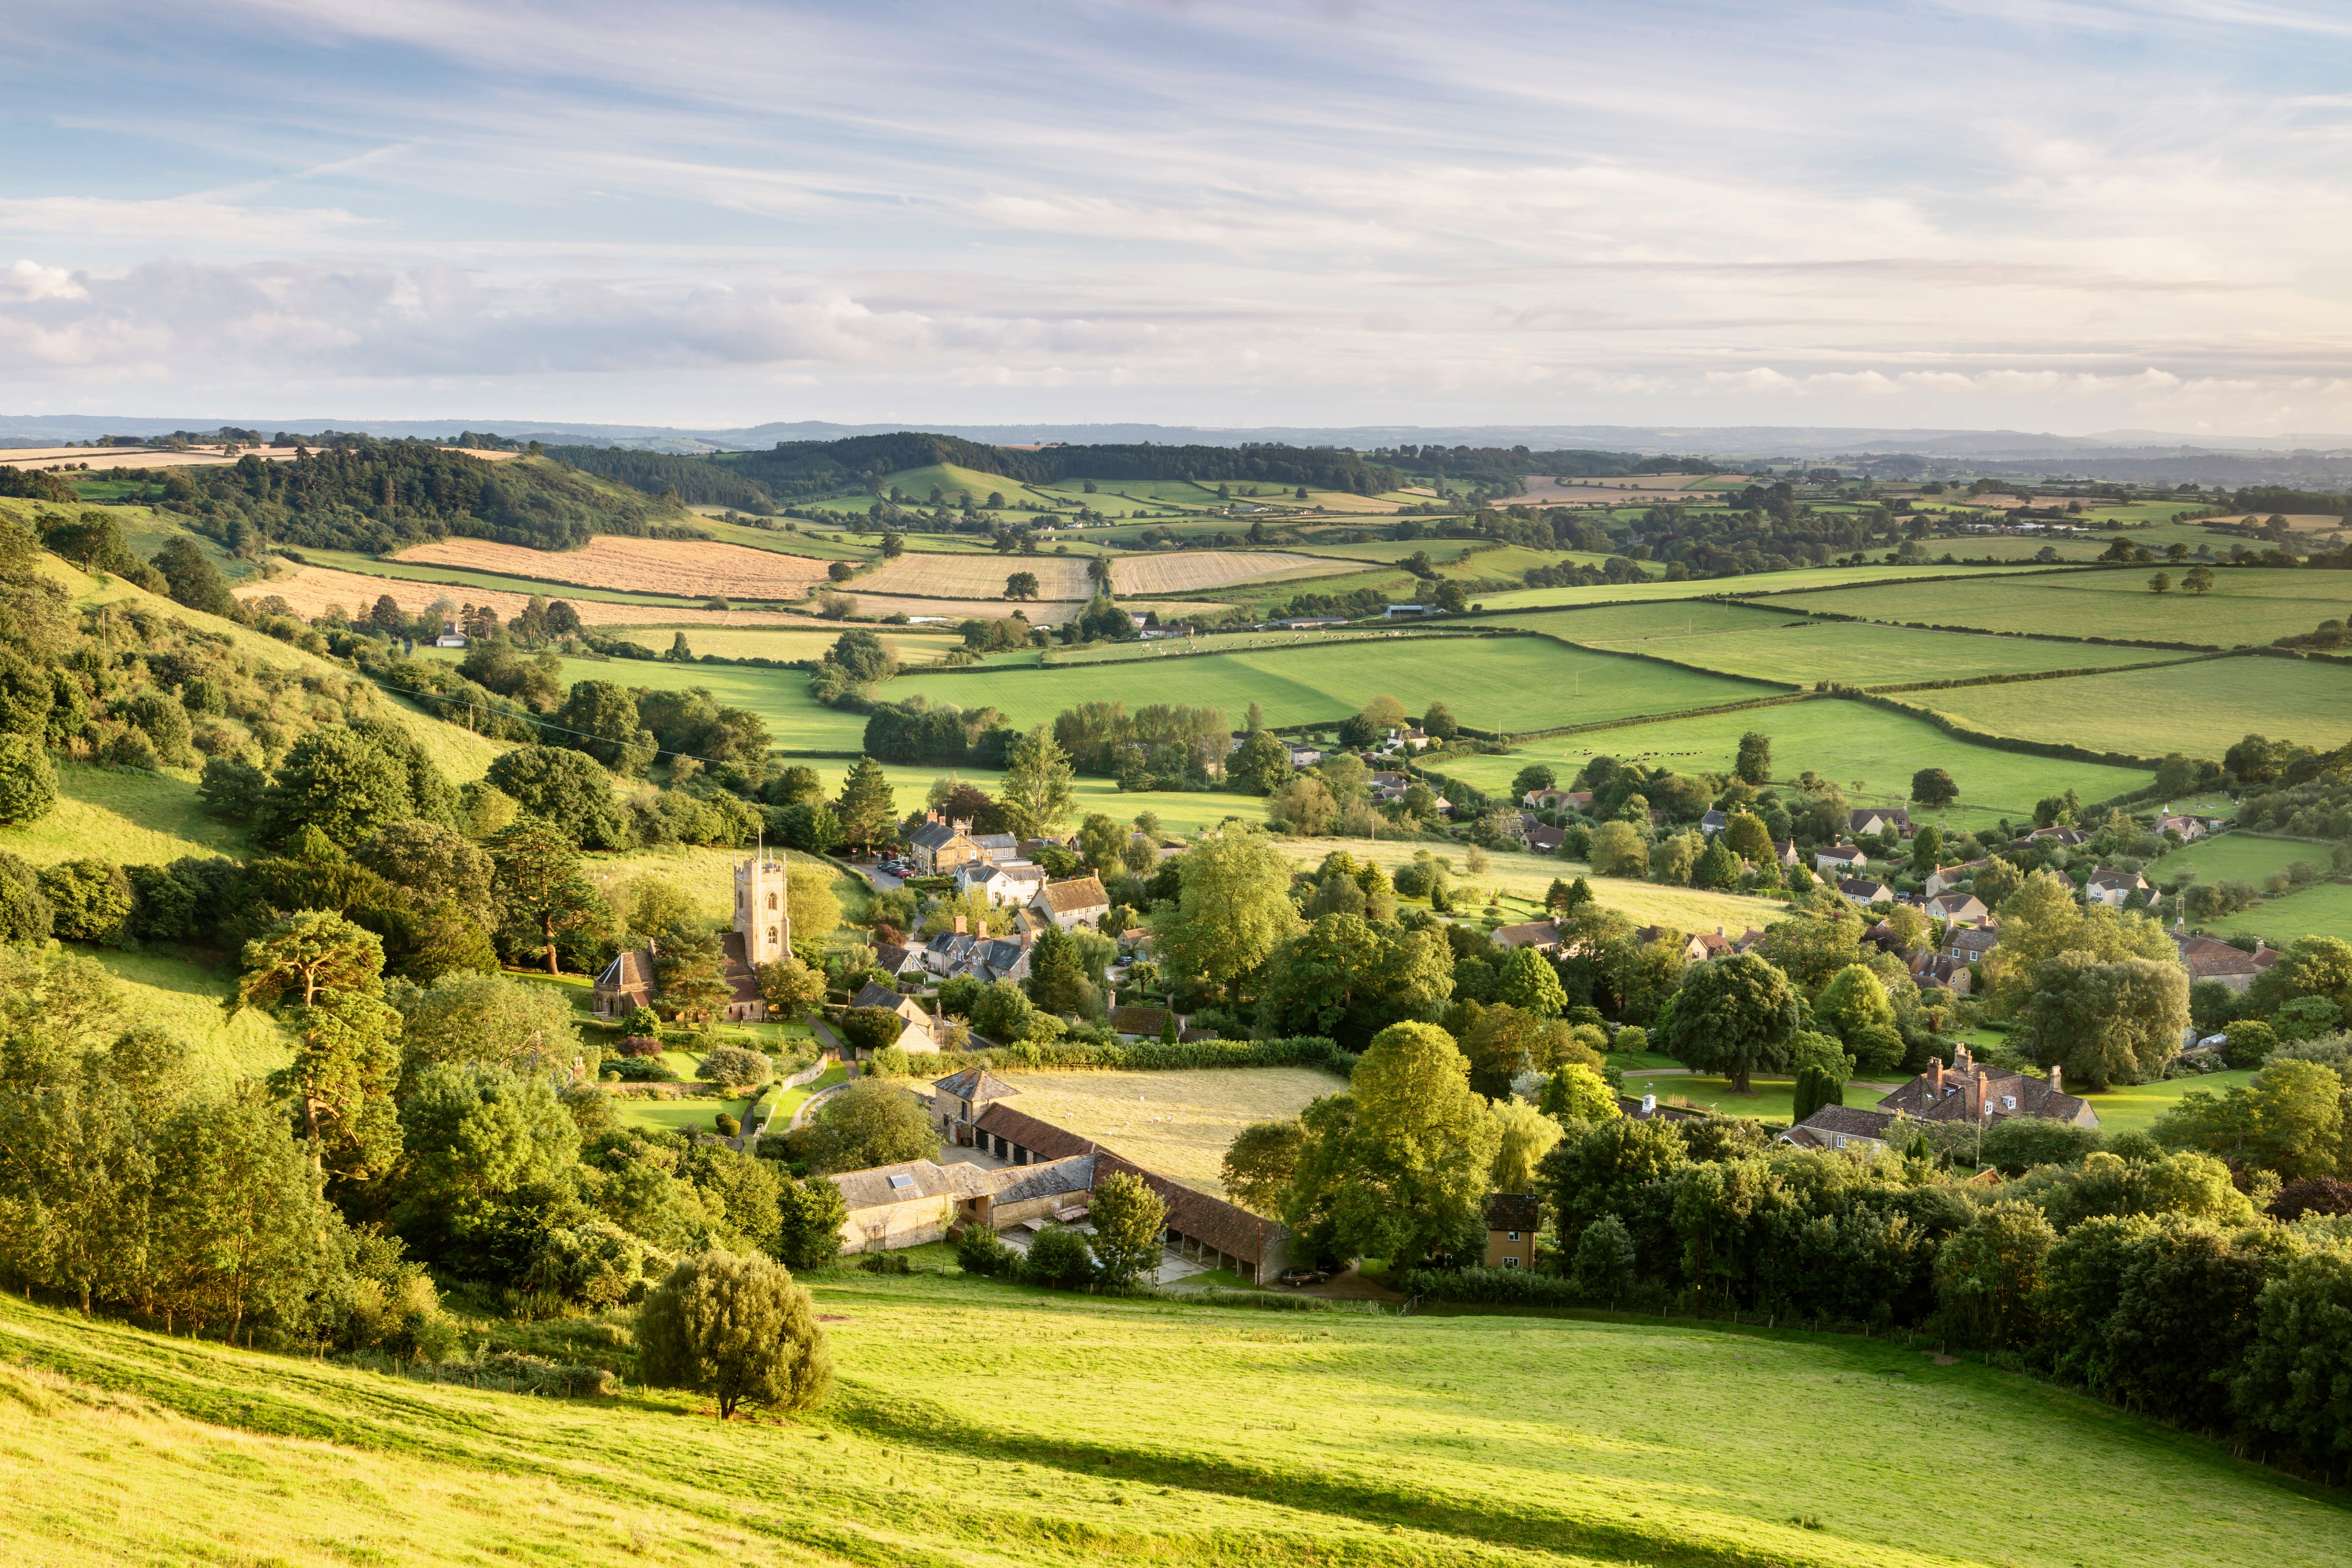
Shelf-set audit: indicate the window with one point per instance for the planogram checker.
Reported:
(1840, 1140)
(2008, 1103)
(1512, 1235)
(771, 903)
(771, 936)
(1510, 1263)
(901, 1183)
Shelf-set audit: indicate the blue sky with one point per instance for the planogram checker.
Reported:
(2074, 216)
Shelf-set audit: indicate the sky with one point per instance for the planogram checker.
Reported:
(2074, 216)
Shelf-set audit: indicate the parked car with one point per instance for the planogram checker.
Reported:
(1302, 1276)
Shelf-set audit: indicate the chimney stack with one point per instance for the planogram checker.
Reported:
(1935, 1076)
(959, 930)
(2057, 1083)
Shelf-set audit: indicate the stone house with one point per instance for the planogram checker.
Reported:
(1864, 891)
(2208, 958)
(917, 1030)
(1541, 935)
(1079, 902)
(1967, 1092)
(1839, 859)
(1969, 944)
(1512, 1220)
(2113, 887)
(1960, 908)
(1944, 879)
(1840, 1127)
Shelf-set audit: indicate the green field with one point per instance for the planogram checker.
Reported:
(2248, 605)
(1805, 578)
(908, 646)
(1773, 1100)
(2239, 856)
(1770, 644)
(2135, 1107)
(2322, 911)
(1842, 740)
(778, 696)
(1438, 1439)
(1524, 878)
(126, 815)
(182, 996)
(2200, 709)
(1493, 683)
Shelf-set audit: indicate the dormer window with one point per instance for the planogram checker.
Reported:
(2008, 1103)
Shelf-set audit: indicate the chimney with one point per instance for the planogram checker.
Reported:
(959, 930)
(1973, 1096)
(931, 816)
(1935, 1076)
(2057, 1084)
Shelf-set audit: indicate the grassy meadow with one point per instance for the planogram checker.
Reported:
(1841, 741)
(1523, 880)
(2128, 1107)
(2325, 909)
(2248, 606)
(127, 815)
(1499, 683)
(2199, 707)
(1436, 1439)
(181, 994)
(2240, 856)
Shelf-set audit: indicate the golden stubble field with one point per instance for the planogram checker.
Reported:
(945, 577)
(312, 590)
(1191, 570)
(692, 568)
(1177, 1123)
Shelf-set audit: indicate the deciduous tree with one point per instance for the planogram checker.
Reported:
(1733, 1016)
(737, 1329)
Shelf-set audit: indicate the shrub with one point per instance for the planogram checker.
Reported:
(2019, 1143)
(2311, 1194)
(90, 899)
(980, 1250)
(640, 1046)
(735, 1328)
(644, 1020)
(2250, 1042)
(890, 1062)
(641, 1069)
(734, 1067)
(28, 784)
(727, 1124)
(1061, 1259)
(885, 1263)
(1518, 1286)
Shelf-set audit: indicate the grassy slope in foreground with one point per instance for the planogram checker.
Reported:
(1423, 1440)
(1839, 740)
(2200, 709)
(1501, 683)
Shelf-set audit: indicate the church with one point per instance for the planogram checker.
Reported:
(761, 933)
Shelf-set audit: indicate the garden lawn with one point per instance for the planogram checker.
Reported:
(2248, 606)
(677, 1115)
(2200, 709)
(128, 816)
(1840, 739)
(182, 996)
(1774, 1099)
(2136, 1107)
(973, 1423)
(2322, 911)
(2237, 856)
(790, 1100)
(1493, 683)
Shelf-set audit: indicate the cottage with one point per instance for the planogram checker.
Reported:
(896, 960)
(1934, 969)
(1541, 935)
(1969, 944)
(2186, 827)
(1944, 879)
(1010, 881)
(1694, 950)
(1788, 856)
(1541, 840)
(1961, 908)
(1840, 1127)
(984, 957)
(1873, 821)
(1304, 756)
(1512, 1220)
(1545, 799)
(2113, 889)
(1840, 860)
(450, 636)
(1865, 892)
(916, 1031)
(1079, 902)
(1967, 1092)
(1715, 943)
(1141, 1023)
(940, 846)
(1713, 822)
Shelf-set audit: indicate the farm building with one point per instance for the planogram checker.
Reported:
(2208, 958)
(1840, 1127)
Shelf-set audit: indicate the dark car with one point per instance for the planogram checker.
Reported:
(1302, 1276)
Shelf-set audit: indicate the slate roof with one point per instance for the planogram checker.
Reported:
(2034, 1097)
(974, 1084)
(996, 843)
(874, 994)
(1955, 906)
(2207, 958)
(933, 836)
(1974, 943)
(1869, 892)
(1514, 1211)
(1841, 852)
(1547, 839)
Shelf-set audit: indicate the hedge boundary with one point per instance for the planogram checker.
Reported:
(1152, 1056)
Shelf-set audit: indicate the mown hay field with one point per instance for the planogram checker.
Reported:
(2248, 605)
(1177, 1123)
(690, 568)
(312, 591)
(975, 577)
(2200, 708)
(1510, 683)
(1526, 877)
(1839, 741)
(1109, 1430)
(1802, 578)
(1198, 571)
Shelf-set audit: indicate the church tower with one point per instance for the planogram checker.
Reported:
(760, 917)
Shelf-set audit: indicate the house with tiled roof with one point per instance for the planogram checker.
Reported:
(1839, 859)
(1969, 944)
(1548, 799)
(1078, 901)
(1934, 969)
(1967, 1092)
(624, 984)
(2208, 958)
(1012, 880)
(1865, 891)
(1541, 935)
(1693, 950)
(1714, 944)
(916, 1026)
(2112, 889)
(1944, 879)
(2186, 827)
(940, 846)
(1869, 822)
(1140, 1023)
(1963, 909)
(958, 1099)
(1542, 840)
(1840, 1127)
(1512, 1221)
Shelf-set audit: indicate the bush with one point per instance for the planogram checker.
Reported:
(885, 1263)
(1061, 1259)
(735, 1328)
(640, 1046)
(2311, 1194)
(1500, 1287)
(980, 1250)
(28, 784)
(2019, 1143)
(2250, 1042)
(640, 1069)
(90, 899)
(736, 1067)
(890, 1062)
(727, 1124)
(643, 1021)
